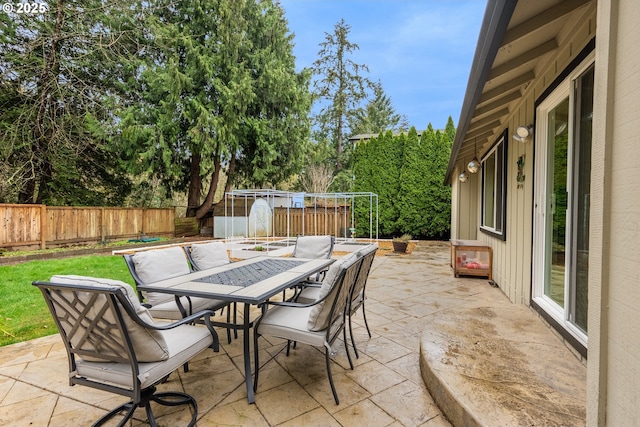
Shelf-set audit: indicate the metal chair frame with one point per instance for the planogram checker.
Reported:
(359, 287)
(65, 302)
(195, 267)
(184, 311)
(342, 287)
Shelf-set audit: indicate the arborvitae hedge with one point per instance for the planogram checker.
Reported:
(407, 173)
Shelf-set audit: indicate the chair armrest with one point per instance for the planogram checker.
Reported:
(308, 284)
(288, 304)
(206, 314)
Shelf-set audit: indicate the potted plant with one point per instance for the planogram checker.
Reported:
(400, 243)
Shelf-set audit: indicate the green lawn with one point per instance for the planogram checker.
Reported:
(24, 313)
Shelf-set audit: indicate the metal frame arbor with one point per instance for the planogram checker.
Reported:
(347, 198)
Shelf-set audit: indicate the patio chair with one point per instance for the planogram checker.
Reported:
(159, 264)
(114, 345)
(209, 255)
(312, 291)
(312, 247)
(318, 323)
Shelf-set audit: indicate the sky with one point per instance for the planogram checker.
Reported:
(420, 50)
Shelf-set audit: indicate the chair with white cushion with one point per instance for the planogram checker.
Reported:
(312, 291)
(159, 264)
(211, 255)
(318, 323)
(207, 255)
(313, 247)
(114, 345)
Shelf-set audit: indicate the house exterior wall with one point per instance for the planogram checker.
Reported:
(512, 258)
(613, 372)
(464, 222)
(613, 366)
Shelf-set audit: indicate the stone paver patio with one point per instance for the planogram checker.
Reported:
(412, 302)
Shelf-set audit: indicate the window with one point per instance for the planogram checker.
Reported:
(494, 183)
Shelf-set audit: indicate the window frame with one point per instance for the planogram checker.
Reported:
(498, 150)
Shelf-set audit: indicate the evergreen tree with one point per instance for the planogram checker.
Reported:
(62, 70)
(407, 172)
(441, 224)
(340, 85)
(377, 116)
(436, 151)
(412, 204)
(220, 96)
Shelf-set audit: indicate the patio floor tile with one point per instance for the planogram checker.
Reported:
(413, 302)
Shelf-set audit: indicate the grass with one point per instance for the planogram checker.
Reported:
(24, 313)
(114, 244)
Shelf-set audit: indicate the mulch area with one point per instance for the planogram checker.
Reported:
(385, 248)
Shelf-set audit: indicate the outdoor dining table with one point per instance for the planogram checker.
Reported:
(251, 282)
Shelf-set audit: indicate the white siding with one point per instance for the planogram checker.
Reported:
(614, 266)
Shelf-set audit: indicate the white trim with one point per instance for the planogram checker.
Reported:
(539, 256)
(500, 142)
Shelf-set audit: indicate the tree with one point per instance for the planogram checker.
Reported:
(407, 173)
(377, 170)
(220, 96)
(436, 152)
(377, 116)
(413, 206)
(61, 73)
(340, 84)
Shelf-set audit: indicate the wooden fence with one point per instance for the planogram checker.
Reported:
(334, 221)
(41, 225)
(29, 225)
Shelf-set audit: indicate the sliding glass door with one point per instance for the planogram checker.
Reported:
(561, 220)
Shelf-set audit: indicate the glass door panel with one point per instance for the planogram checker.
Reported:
(555, 275)
(581, 198)
(562, 201)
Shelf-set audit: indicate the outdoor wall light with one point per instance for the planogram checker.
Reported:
(463, 177)
(523, 133)
(474, 165)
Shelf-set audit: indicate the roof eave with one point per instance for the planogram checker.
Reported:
(494, 25)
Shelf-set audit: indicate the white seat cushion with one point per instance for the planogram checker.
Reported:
(290, 323)
(160, 264)
(309, 294)
(209, 255)
(183, 343)
(149, 344)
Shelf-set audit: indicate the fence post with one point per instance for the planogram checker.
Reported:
(43, 226)
(102, 226)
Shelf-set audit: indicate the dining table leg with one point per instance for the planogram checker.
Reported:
(247, 354)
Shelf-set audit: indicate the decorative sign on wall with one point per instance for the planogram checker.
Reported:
(520, 176)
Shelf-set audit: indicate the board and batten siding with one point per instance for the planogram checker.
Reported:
(512, 258)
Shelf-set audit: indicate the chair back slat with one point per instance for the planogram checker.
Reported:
(90, 321)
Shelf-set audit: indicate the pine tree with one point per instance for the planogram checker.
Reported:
(377, 116)
(340, 85)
